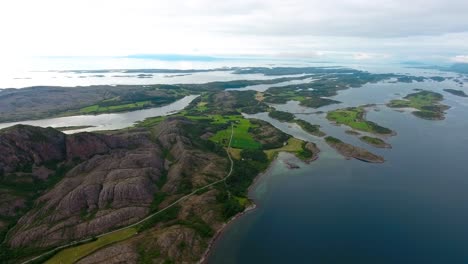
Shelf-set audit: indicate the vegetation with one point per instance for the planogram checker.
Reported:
(332, 140)
(316, 102)
(73, 254)
(354, 118)
(376, 142)
(166, 215)
(29, 188)
(293, 145)
(242, 139)
(255, 142)
(456, 92)
(426, 102)
(68, 128)
(308, 127)
(197, 224)
(350, 151)
(281, 116)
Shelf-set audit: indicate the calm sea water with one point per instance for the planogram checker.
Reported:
(411, 209)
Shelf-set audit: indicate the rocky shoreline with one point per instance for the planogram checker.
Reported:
(349, 151)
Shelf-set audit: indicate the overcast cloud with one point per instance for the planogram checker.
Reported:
(359, 29)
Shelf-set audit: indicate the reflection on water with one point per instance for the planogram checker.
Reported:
(108, 121)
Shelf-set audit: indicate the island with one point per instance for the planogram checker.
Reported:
(354, 117)
(427, 104)
(376, 142)
(350, 151)
(352, 132)
(281, 116)
(311, 129)
(456, 92)
(288, 117)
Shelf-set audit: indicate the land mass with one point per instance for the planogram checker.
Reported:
(354, 117)
(350, 151)
(426, 102)
(456, 92)
(50, 101)
(57, 188)
(68, 128)
(288, 117)
(376, 142)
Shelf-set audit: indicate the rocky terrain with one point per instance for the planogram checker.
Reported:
(110, 181)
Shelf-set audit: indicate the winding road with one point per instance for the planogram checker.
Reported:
(149, 216)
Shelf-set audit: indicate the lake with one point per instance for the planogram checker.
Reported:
(411, 209)
(108, 121)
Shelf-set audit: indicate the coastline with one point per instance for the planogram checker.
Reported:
(248, 209)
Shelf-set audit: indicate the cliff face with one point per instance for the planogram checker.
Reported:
(24, 145)
(111, 181)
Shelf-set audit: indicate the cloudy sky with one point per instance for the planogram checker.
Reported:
(313, 29)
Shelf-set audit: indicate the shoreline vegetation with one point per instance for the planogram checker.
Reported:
(68, 128)
(354, 117)
(427, 104)
(349, 151)
(376, 142)
(290, 118)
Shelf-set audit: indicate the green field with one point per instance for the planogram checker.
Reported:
(242, 139)
(354, 118)
(294, 146)
(96, 109)
(73, 254)
(427, 102)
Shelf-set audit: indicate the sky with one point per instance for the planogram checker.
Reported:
(404, 30)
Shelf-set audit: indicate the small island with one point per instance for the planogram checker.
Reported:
(288, 117)
(354, 117)
(281, 116)
(352, 132)
(456, 92)
(309, 128)
(426, 102)
(349, 151)
(376, 142)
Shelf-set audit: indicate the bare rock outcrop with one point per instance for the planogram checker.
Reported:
(22, 146)
(115, 181)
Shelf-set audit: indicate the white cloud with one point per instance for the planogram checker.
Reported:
(311, 28)
(460, 58)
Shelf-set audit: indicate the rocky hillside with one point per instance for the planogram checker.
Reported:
(62, 188)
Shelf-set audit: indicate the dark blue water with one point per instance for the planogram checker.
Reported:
(411, 209)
